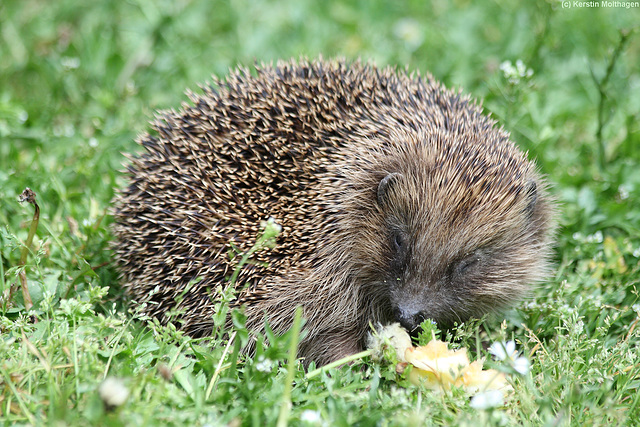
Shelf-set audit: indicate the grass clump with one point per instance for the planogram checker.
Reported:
(78, 82)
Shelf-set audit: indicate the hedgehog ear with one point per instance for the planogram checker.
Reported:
(385, 184)
(531, 192)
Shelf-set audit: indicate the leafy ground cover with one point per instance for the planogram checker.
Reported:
(78, 82)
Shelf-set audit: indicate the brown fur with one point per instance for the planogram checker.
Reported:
(398, 199)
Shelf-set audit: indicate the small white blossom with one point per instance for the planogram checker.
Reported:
(394, 335)
(521, 365)
(596, 237)
(264, 364)
(487, 399)
(623, 190)
(310, 416)
(113, 392)
(506, 351)
(270, 225)
(503, 350)
(70, 62)
(271, 230)
(517, 72)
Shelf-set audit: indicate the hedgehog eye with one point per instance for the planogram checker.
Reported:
(468, 263)
(398, 241)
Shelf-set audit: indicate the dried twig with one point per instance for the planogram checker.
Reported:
(28, 195)
(601, 84)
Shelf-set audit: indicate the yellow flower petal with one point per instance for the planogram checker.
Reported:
(436, 364)
(427, 379)
(474, 379)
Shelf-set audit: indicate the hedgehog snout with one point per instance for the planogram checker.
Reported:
(409, 316)
(411, 322)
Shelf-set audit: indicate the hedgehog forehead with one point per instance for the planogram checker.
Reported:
(449, 187)
(438, 161)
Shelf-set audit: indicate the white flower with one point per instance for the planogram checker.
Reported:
(394, 335)
(22, 116)
(517, 72)
(70, 62)
(271, 225)
(506, 351)
(264, 364)
(487, 399)
(113, 392)
(310, 416)
(521, 365)
(596, 237)
(503, 350)
(271, 230)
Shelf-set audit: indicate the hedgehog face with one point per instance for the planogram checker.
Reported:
(444, 268)
(447, 291)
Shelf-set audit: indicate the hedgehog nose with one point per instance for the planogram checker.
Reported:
(408, 319)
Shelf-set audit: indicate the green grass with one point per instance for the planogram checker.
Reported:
(79, 81)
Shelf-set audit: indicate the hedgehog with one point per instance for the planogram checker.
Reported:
(399, 201)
